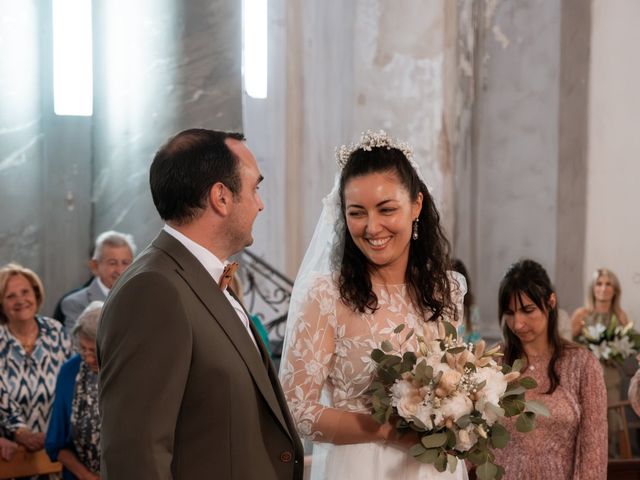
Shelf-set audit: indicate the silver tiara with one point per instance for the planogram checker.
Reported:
(369, 140)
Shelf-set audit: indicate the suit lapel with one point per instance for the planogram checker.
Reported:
(208, 292)
(94, 292)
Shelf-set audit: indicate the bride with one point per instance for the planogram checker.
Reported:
(378, 259)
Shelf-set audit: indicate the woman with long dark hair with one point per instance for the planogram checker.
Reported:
(570, 383)
(384, 264)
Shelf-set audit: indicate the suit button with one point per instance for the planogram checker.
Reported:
(286, 456)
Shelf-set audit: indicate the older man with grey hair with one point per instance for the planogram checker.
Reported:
(113, 253)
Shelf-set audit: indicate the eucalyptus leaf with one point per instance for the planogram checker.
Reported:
(463, 421)
(500, 436)
(515, 391)
(449, 329)
(486, 471)
(506, 369)
(386, 346)
(451, 439)
(498, 411)
(512, 406)
(526, 422)
(517, 365)
(379, 417)
(391, 360)
(457, 350)
(528, 383)
(441, 462)
(418, 423)
(399, 328)
(477, 456)
(538, 408)
(453, 462)
(409, 335)
(434, 440)
(429, 456)
(409, 357)
(417, 450)
(377, 355)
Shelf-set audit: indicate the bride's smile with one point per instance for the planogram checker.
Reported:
(379, 215)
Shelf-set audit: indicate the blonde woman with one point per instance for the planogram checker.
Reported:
(603, 307)
(603, 302)
(32, 350)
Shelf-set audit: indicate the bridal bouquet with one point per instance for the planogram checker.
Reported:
(454, 395)
(614, 343)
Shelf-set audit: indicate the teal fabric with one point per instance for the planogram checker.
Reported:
(262, 331)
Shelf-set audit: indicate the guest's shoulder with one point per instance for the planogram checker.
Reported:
(579, 313)
(75, 298)
(71, 366)
(50, 325)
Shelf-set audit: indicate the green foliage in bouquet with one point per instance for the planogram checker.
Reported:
(453, 394)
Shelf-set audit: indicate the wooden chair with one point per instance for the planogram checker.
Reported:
(624, 469)
(623, 435)
(25, 464)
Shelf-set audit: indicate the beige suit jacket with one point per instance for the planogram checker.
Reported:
(184, 393)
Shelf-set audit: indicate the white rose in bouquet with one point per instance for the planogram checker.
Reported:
(405, 397)
(491, 393)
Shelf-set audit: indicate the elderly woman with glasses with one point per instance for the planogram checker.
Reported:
(73, 437)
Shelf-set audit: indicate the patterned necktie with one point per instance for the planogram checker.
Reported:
(227, 275)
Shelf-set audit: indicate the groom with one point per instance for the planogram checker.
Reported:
(187, 389)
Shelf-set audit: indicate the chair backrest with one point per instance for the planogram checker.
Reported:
(623, 435)
(26, 464)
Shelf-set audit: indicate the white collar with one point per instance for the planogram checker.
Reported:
(209, 261)
(103, 287)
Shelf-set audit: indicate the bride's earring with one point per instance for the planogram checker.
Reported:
(414, 235)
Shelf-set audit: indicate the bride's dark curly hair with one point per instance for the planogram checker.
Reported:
(426, 274)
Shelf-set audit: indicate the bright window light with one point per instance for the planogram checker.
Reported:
(254, 47)
(72, 58)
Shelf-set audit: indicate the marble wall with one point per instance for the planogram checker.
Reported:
(159, 67)
(163, 67)
(45, 160)
(515, 145)
(350, 68)
(21, 136)
(612, 220)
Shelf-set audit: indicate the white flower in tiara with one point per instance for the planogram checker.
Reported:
(369, 140)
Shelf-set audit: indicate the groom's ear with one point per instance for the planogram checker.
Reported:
(220, 198)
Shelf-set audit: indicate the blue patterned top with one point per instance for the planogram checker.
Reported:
(28, 381)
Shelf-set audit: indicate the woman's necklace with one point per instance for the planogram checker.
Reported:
(27, 340)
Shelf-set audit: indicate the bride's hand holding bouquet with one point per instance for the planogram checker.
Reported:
(451, 396)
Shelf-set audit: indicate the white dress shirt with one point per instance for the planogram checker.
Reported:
(103, 287)
(214, 266)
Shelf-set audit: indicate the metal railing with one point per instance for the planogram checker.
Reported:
(266, 293)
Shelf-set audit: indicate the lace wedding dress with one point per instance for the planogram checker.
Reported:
(328, 369)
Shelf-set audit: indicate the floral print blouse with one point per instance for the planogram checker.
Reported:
(29, 380)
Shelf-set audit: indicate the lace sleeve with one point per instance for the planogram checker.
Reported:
(307, 362)
(458, 291)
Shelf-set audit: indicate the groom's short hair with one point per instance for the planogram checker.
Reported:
(185, 168)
